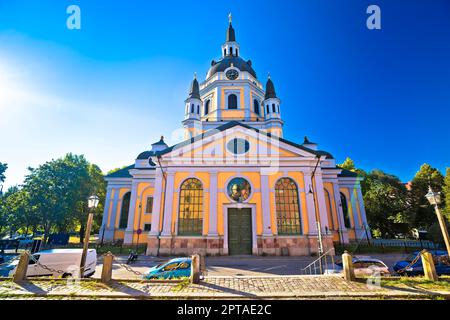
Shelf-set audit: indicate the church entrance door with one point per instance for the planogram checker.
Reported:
(240, 231)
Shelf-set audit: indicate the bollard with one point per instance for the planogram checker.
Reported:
(429, 269)
(203, 263)
(349, 272)
(195, 268)
(107, 267)
(22, 267)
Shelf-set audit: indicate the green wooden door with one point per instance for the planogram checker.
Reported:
(239, 231)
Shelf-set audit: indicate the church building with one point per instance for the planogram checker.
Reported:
(235, 185)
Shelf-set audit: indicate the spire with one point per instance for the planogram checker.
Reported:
(231, 36)
(195, 88)
(270, 89)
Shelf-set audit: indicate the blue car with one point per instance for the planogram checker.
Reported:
(441, 262)
(173, 269)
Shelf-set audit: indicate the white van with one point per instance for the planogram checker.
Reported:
(61, 262)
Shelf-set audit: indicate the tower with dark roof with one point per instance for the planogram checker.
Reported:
(193, 107)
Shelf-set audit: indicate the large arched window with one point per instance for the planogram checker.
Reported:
(123, 222)
(329, 209)
(190, 219)
(232, 101)
(207, 106)
(287, 206)
(345, 211)
(256, 106)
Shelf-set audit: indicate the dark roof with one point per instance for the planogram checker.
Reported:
(232, 124)
(160, 142)
(145, 155)
(347, 173)
(231, 36)
(122, 173)
(306, 141)
(270, 90)
(195, 90)
(225, 63)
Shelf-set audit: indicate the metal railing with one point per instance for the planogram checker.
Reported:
(318, 266)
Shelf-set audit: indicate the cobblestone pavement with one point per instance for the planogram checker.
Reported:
(233, 265)
(301, 287)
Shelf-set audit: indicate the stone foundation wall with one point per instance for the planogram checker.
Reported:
(272, 246)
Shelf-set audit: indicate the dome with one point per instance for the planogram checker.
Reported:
(226, 62)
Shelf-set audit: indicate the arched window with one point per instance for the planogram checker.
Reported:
(192, 108)
(329, 209)
(273, 107)
(256, 106)
(198, 109)
(232, 101)
(224, 52)
(207, 107)
(236, 52)
(123, 222)
(267, 109)
(190, 218)
(345, 211)
(287, 206)
(231, 51)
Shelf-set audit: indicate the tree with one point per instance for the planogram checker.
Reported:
(386, 202)
(58, 192)
(423, 213)
(3, 167)
(348, 164)
(446, 194)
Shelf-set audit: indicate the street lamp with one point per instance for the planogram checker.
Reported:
(92, 205)
(435, 199)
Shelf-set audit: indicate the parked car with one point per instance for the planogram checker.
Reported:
(440, 258)
(175, 268)
(363, 266)
(61, 262)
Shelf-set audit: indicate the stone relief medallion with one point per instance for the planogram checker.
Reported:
(239, 189)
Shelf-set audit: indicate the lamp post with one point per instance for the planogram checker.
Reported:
(435, 199)
(92, 205)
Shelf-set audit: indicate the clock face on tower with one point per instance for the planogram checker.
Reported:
(232, 74)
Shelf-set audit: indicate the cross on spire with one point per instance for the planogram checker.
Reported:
(230, 18)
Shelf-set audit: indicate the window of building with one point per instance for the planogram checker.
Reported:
(198, 109)
(345, 211)
(123, 222)
(329, 209)
(273, 107)
(149, 205)
(147, 227)
(287, 207)
(256, 106)
(190, 219)
(192, 108)
(232, 101)
(207, 106)
(267, 109)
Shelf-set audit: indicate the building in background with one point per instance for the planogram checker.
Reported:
(235, 185)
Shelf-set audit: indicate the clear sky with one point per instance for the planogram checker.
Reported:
(114, 87)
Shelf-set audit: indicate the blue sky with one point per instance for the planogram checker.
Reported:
(114, 87)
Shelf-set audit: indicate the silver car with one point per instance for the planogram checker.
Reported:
(363, 266)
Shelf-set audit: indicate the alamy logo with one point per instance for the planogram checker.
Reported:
(74, 20)
(374, 20)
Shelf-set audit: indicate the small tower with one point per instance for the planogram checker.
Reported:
(193, 110)
(230, 48)
(309, 144)
(272, 109)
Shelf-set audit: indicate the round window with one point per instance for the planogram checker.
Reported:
(239, 189)
(238, 146)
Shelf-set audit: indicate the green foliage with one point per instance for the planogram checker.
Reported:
(348, 164)
(54, 197)
(446, 194)
(423, 214)
(386, 202)
(3, 167)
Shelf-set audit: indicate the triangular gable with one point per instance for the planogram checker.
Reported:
(213, 144)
